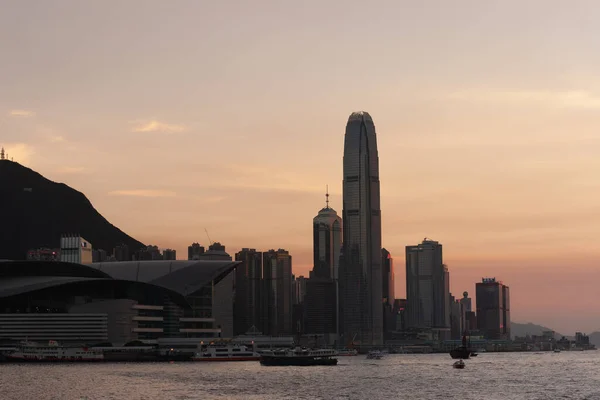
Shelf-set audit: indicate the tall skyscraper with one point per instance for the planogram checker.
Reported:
(327, 239)
(247, 303)
(360, 265)
(277, 299)
(493, 308)
(327, 246)
(427, 287)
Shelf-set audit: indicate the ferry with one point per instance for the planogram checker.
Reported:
(226, 353)
(347, 352)
(298, 357)
(53, 352)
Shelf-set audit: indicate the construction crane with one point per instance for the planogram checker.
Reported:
(209, 241)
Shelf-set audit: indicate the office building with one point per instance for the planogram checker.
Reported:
(277, 289)
(360, 276)
(493, 309)
(248, 281)
(427, 288)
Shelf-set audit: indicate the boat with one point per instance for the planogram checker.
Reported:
(52, 352)
(375, 355)
(226, 353)
(460, 364)
(462, 352)
(557, 350)
(347, 352)
(298, 357)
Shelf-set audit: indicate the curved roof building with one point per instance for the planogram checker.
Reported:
(116, 302)
(183, 277)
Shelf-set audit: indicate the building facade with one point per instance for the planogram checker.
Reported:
(248, 281)
(427, 287)
(75, 249)
(360, 273)
(195, 250)
(277, 289)
(493, 309)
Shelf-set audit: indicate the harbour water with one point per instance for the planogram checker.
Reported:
(505, 376)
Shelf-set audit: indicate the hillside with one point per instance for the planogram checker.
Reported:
(518, 329)
(35, 211)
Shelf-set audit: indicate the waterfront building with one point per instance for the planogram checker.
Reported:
(427, 288)
(277, 288)
(493, 309)
(113, 301)
(248, 282)
(360, 273)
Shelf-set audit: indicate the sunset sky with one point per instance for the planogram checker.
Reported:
(173, 117)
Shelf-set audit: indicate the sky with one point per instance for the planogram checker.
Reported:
(229, 116)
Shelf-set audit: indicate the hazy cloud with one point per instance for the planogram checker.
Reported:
(56, 139)
(157, 126)
(565, 99)
(143, 193)
(21, 113)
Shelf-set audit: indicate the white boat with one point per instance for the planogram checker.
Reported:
(35, 352)
(375, 355)
(460, 364)
(557, 350)
(226, 353)
(347, 352)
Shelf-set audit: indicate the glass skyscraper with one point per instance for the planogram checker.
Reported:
(360, 265)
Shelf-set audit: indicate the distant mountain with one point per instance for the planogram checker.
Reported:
(35, 211)
(517, 329)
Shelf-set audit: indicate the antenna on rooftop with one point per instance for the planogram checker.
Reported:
(326, 196)
(209, 241)
(2, 154)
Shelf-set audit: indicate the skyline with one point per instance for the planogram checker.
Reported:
(230, 117)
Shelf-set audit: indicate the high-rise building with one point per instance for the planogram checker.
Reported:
(277, 299)
(327, 239)
(324, 278)
(121, 253)
(493, 309)
(169, 254)
(299, 289)
(388, 288)
(195, 251)
(247, 303)
(427, 287)
(388, 293)
(360, 273)
(465, 307)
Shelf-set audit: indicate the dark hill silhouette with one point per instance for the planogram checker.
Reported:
(35, 212)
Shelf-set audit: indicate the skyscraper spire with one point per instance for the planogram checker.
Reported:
(326, 196)
(2, 154)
